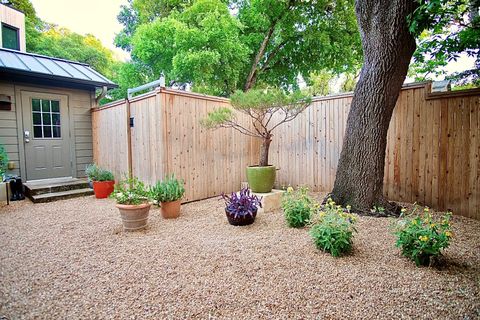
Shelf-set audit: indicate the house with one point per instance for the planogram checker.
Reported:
(45, 102)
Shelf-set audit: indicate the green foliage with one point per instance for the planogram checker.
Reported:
(445, 29)
(298, 207)
(130, 191)
(199, 45)
(260, 105)
(170, 189)
(321, 82)
(96, 173)
(216, 44)
(420, 237)
(3, 160)
(333, 230)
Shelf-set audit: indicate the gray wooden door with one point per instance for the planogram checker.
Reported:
(46, 137)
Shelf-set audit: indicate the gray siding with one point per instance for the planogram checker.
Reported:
(80, 103)
(8, 128)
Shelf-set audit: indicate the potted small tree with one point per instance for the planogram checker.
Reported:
(3, 171)
(132, 202)
(241, 208)
(168, 194)
(103, 181)
(268, 109)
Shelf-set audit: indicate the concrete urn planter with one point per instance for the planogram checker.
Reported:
(134, 217)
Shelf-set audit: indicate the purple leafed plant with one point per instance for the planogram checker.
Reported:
(242, 204)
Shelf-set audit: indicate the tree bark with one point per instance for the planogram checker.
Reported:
(388, 47)
(264, 148)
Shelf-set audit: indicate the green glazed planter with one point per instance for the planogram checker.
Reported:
(261, 179)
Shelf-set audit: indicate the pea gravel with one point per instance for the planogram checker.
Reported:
(71, 260)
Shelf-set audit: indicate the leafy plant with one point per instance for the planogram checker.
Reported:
(96, 173)
(260, 106)
(297, 207)
(333, 231)
(420, 237)
(242, 204)
(377, 209)
(170, 189)
(3, 160)
(130, 191)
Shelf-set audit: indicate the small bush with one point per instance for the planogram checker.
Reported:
(297, 207)
(130, 191)
(3, 161)
(170, 189)
(96, 173)
(333, 231)
(420, 237)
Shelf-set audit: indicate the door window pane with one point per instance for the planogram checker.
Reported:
(56, 119)
(37, 132)
(45, 105)
(47, 131)
(10, 37)
(56, 132)
(55, 106)
(35, 104)
(37, 118)
(46, 119)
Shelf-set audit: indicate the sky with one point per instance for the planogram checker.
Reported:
(98, 17)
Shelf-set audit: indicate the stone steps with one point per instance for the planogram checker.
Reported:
(57, 189)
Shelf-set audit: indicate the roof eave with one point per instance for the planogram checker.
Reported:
(97, 84)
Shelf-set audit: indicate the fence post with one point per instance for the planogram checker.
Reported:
(129, 140)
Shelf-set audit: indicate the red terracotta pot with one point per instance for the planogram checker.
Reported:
(103, 189)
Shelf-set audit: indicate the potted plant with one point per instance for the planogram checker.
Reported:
(132, 202)
(3, 162)
(168, 194)
(103, 181)
(268, 109)
(241, 208)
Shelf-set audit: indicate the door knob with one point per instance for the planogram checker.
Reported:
(27, 136)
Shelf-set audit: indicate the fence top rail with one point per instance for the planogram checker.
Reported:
(193, 95)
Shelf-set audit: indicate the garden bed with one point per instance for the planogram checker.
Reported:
(72, 259)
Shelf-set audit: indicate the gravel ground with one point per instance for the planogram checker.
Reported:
(70, 259)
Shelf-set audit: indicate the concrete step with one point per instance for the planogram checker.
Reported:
(61, 195)
(37, 188)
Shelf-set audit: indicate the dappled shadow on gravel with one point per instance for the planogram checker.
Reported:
(71, 259)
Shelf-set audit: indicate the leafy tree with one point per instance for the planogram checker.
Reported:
(201, 44)
(320, 83)
(267, 43)
(446, 28)
(268, 109)
(383, 25)
(388, 47)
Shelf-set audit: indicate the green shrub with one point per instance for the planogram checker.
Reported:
(130, 191)
(96, 173)
(297, 207)
(420, 237)
(333, 230)
(3, 160)
(170, 189)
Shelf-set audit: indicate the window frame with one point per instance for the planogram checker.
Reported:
(17, 30)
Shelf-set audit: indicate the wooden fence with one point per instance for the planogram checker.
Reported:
(167, 137)
(432, 156)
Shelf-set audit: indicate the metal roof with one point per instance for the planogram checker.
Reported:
(34, 65)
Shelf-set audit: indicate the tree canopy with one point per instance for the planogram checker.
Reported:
(445, 29)
(221, 46)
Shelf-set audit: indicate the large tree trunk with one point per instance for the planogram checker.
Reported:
(388, 47)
